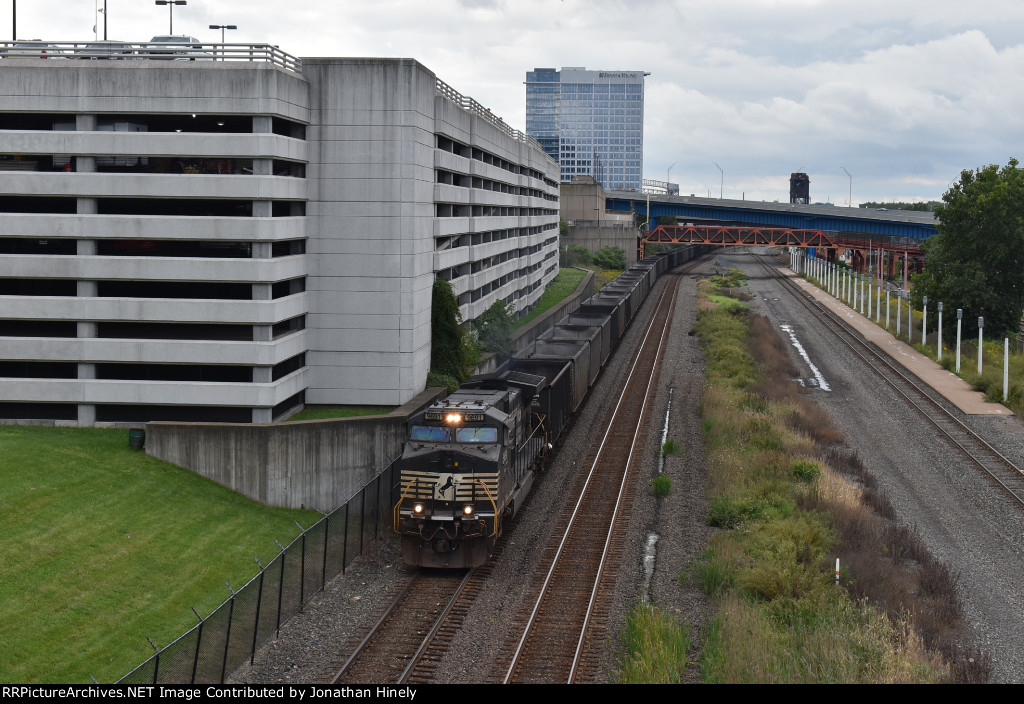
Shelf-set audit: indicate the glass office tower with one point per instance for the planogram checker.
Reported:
(591, 122)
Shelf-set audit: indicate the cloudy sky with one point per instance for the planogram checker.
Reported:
(903, 94)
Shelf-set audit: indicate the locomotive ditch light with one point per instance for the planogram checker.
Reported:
(467, 510)
(417, 508)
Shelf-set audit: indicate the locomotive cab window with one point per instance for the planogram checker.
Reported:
(478, 434)
(429, 433)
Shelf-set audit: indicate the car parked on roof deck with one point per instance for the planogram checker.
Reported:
(106, 50)
(177, 47)
(30, 49)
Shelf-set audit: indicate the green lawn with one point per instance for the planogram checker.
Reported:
(560, 288)
(103, 546)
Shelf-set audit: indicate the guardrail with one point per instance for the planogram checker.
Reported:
(470, 105)
(146, 50)
(603, 224)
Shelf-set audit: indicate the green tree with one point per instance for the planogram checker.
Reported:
(452, 352)
(563, 228)
(610, 258)
(494, 329)
(976, 262)
(578, 255)
(668, 220)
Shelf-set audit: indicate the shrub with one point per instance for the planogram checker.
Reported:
(729, 513)
(494, 329)
(977, 382)
(712, 575)
(654, 647)
(806, 470)
(670, 447)
(578, 255)
(661, 485)
(610, 258)
(445, 380)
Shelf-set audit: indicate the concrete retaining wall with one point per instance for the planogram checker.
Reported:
(597, 238)
(314, 464)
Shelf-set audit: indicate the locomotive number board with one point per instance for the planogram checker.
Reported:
(468, 417)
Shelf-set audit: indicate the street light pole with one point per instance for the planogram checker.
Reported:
(222, 27)
(170, 8)
(849, 200)
(721, 184)
(668, 177)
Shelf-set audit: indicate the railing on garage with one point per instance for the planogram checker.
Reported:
(184, 51)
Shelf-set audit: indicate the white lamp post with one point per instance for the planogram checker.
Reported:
(981, 326)
(924, 322)
(959, 319)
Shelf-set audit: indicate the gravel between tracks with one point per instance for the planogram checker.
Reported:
(962, 519)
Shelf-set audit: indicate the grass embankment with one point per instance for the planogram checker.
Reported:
(990, 382)
(103, 546)
(560, 288)
(789, 498)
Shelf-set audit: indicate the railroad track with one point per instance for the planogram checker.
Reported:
(560, 632)
(395, 645)
(974, 449)
(416, 629)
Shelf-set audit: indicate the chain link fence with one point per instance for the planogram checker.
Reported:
(218, 644)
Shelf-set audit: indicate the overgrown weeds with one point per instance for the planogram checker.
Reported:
(654, 646)
(661, 485)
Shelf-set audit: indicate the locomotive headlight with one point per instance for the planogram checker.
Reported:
(453, 418)
(417, 508)
(467, 510)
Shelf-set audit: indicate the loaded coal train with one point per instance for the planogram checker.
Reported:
(471, 457)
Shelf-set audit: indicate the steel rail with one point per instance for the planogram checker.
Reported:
(442, 617)
(572, 520)
(389, 614)
(622, 484)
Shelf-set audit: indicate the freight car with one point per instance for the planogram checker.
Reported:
(471, 458)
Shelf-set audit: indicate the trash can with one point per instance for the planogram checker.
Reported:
(137, 438)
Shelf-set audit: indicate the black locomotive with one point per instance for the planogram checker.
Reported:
(471, 458)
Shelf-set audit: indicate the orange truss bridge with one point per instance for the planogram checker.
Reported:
(766, 237)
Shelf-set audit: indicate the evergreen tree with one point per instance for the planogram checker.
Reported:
(451, 351)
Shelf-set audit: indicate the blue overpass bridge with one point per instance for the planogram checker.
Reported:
(859, 222)
(716, 221)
